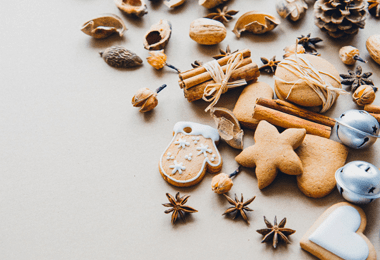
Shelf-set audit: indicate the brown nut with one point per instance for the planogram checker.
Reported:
(373, 47)
(207, 31)
(364, 95)
(119, 57)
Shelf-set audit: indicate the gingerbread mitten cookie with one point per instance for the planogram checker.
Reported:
(190, 154)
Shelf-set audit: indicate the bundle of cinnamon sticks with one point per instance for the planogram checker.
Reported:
(194, 81)
(373, 111)
(287, 115)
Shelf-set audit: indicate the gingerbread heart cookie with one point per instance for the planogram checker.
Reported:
(338, 234)
(190, 154)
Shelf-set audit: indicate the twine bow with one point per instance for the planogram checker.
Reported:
(213, 91)
(313, 78)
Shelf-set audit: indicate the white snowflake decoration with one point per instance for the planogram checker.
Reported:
(177, 167)
(203, 149)
(182, 143)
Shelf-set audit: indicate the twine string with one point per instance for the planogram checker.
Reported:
(213, 91)
(313, 78)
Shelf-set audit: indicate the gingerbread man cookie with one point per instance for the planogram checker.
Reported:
(273, 151)
(338, 234)
(190, 154)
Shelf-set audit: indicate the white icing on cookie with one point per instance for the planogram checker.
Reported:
(169, 156)
(177, 167)
(337, 234)
(182, 143)
(195, 139)
(203, 149)
(189, 156)
(197, 129)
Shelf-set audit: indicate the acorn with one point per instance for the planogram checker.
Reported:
(120, 57)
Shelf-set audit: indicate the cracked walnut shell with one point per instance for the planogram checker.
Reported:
(132, 7)
(256, 23)
(103, 26)
(158, 35)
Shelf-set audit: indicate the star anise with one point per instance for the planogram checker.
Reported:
(238, 206)
(356, 78)
(374, 7)
(269, 66)
(309, 43)
(276, 231)
(222, 15)
(225, 53)
(178, 207)
(196, 63)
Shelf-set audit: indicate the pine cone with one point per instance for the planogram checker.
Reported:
(340, 17)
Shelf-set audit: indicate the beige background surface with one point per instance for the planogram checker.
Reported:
(79, 175)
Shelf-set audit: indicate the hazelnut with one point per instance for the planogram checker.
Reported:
(221, 183)
(146, 99)
(364, 95)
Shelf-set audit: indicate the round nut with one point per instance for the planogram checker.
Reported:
(207, 31)
(373, 47)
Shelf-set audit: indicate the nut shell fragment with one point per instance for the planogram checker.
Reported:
(255, 22)
(158, 35)
(207, 31)
(373, 47)
(119, 57)
(228, 127)
(132, 7)
(103, 26)
(292, 9)
(211, 3)
(174, 3)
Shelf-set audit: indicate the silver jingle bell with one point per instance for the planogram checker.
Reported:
(357, 129)
(358, 182)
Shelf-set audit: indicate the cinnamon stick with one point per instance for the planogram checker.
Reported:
(223, 61)
(248, 72)
(291, 109)
(205, 76)
(289, 121)
(372, 109)
(377, 116)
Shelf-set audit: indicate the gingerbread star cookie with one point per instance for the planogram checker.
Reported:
(273, 151)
